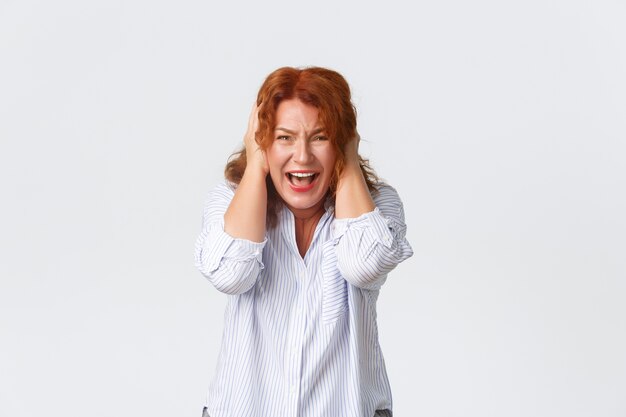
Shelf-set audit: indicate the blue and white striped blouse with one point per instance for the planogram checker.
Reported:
(300, 336)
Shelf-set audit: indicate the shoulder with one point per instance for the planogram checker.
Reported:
(388, 201)
(218, 199)
(223, 190)
(385, 194)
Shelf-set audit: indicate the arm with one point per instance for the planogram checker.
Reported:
(353, 197)
(245, 217)
(231, 265)
(369, 233)
(228, 251)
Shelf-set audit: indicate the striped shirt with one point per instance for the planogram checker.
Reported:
(300, 336)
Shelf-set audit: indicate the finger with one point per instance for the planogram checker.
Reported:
(253, 115)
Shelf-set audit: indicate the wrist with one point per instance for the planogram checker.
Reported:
(351, 167)
(255, 170)
(256, 162)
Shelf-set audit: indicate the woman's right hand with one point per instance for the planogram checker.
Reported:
(256, 158)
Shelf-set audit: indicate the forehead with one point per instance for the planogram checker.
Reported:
(293, 113)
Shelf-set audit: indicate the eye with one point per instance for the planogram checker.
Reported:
(320, 138)
(283, 137)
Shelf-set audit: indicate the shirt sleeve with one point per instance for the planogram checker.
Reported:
(370, 246)
(231, 265)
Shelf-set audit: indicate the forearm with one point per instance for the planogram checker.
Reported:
(245, 216)
(231, 265)
(370, 246)
(353, 198)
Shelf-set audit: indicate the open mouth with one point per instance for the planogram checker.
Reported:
(301, 179)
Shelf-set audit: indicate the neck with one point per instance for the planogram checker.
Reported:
(308, 213)
(305, 223)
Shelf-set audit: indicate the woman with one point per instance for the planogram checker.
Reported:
(301, 236)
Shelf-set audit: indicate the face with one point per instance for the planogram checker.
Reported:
(301, 158)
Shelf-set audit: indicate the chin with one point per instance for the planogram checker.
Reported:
(302, 201)
(299, 204)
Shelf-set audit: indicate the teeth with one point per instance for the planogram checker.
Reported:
(302, 174)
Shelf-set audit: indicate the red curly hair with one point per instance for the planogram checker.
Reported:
(329, 93)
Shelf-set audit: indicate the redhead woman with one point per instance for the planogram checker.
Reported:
(301, 236)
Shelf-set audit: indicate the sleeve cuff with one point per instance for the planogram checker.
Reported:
(227, 247)
(373, 220)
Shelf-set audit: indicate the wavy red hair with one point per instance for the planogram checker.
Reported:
(321, 88)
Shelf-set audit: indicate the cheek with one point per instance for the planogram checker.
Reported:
(275, 162)
(275, 176)
(328, 160)
(273, 159)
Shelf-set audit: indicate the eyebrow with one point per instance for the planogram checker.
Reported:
(291, 132)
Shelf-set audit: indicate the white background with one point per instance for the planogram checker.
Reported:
(501, 124)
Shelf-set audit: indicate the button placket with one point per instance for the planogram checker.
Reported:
(293, 349)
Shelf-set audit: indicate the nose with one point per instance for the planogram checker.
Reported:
(302, 152)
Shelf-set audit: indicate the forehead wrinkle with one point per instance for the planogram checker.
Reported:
(297, 118)
(315, 131)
